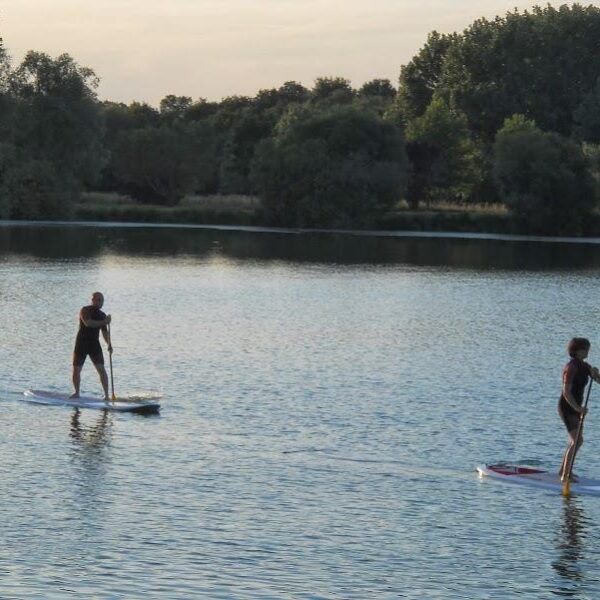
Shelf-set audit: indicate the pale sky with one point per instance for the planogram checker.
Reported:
(145, 49)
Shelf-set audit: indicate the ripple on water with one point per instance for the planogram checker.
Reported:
(322, 418)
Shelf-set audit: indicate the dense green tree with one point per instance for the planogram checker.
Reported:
(56, 134)
(200, 110)
(120, 117)
(32, 189)
(592, 156)
(163, 164)
(119, 120)
(541, 63)
(420, 77)
(241, 124)
(379, 88)
(542, 177)
(289, 92)
(292, 91)
(332, 90)
(333, 167)
(377, 95)
(229, 111)
(240, 143)
(5, 69)
(587, 117)
(174, 108)
(442, 156)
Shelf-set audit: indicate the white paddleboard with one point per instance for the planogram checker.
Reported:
(120, 405)
(532, 476)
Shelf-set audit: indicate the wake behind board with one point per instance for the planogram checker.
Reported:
(120, 405)
(531, 476)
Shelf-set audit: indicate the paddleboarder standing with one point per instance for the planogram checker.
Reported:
(576, 374)
(92, 321)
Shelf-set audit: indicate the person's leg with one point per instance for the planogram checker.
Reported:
(103, 378)
(570, 454)
(98, 360)
(78, 360)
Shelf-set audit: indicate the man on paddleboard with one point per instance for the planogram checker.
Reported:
(570, 406)
(92, 321)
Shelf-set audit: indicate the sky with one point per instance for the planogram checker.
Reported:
(145, 49)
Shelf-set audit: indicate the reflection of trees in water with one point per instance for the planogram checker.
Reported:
(80, 242)
(571, 548)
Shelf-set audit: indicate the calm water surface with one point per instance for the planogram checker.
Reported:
(325, 402)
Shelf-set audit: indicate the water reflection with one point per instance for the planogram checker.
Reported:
(65, 242)
(89, 453)
(91, 438)
(571, 549)
(90, 459)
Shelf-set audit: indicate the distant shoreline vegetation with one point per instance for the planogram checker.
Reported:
(496, 129)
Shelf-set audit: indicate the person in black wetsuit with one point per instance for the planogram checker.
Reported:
(574, 381)
(92, 321)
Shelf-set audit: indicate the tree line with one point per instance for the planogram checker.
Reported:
(507, 111)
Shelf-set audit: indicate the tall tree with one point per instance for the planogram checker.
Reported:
(540, 63)
(587, 117)
(442, 156)
(174, 108)
(163, 164)
(420, 77)
(334, 167)
(543, 178)
(332, 90)
(378, 88)
(57, 132)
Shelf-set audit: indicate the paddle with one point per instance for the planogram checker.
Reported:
(112, 381)
(567, 482)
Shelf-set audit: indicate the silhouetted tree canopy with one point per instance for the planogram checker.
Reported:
(420, 77)
(332, 155)
(335, 167)
(163, 164)
(542, 177)
(540, 63)
(442, 156)
(54, 143)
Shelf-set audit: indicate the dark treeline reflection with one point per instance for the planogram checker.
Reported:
(67, 242)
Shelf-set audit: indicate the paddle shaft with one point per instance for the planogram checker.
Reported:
(566, 485)
(112, 381)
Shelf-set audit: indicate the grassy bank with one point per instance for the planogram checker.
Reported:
(246, 210)
(481, 218)
(197, 210)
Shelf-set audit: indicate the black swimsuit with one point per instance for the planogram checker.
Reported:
(88, 339)
(576, 373)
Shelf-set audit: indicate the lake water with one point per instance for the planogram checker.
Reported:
(326, 399)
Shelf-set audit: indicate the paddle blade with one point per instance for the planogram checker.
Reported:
(566, 491)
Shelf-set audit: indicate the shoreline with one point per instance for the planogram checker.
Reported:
(382, 233)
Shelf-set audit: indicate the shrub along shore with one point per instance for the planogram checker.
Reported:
(247, 211)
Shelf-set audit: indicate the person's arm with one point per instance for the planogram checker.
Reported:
(84, 316)
(595, 374)
(106, 337)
